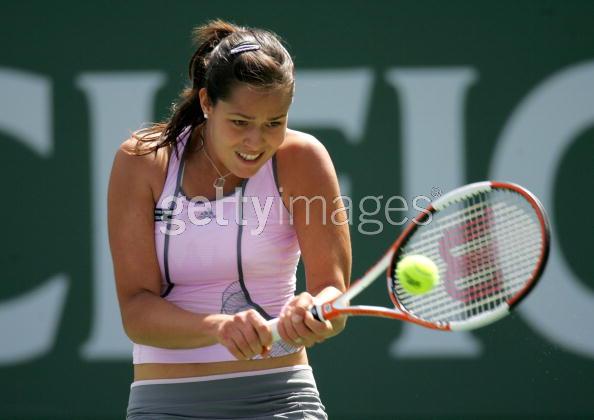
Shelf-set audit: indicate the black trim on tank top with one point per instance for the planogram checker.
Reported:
(278, 187)
(275, 174)
(244, 289)
(170, 284)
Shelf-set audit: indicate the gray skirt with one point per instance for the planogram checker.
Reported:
(270, 394)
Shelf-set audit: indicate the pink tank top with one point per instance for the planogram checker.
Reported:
(223, 256)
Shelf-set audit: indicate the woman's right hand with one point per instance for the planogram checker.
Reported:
(245, 334)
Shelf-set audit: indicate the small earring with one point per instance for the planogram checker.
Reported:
(205, 116)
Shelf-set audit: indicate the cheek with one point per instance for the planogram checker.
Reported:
(228, 136)
(277, 137)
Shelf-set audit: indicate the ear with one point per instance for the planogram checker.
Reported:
(205, 103)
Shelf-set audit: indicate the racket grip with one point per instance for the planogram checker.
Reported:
(316, 314)
(273, 323)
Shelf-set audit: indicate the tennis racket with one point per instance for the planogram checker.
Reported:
(490, 243)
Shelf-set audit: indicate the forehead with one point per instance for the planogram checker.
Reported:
(257, 102)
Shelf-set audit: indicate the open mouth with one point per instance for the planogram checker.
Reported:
(248, 157)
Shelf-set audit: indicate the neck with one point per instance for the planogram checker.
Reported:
(221, 175)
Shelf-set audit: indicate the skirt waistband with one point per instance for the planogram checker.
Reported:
(219, 377)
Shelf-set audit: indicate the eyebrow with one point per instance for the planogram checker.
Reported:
(252, 118)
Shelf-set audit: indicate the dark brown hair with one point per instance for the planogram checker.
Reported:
(214, 67)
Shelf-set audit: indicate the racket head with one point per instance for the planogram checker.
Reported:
(490, 242)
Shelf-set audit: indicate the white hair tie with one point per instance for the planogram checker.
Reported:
(243, 48)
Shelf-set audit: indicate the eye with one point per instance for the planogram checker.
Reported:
(239, 123)
(274, 124)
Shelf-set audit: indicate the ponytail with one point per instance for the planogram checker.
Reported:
(207, 37)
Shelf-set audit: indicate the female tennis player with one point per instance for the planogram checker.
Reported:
(209, 213)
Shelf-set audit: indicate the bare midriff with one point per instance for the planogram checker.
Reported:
(147, 371)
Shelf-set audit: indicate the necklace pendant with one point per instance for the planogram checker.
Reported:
(219, 182)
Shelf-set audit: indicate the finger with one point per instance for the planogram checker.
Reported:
(304, 303)
(307, 336)
(233, 349)
(250, 334)
(226, 339)
(262, 329)
(320, 328)
(290, 330)
(252, 340)
(242, 345)
(266, 352)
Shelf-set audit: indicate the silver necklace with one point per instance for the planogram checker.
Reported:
(220, 181)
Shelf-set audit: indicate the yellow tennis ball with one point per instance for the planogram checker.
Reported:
(417, 274)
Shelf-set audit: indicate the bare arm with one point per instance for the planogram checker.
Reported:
(311, 192)
(148, 318)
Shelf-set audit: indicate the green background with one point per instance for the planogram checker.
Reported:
(512, 45)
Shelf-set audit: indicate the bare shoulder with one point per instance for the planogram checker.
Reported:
(135, 163)
(303, 163)
(298, 143)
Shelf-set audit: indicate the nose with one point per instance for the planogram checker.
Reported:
(254, 138)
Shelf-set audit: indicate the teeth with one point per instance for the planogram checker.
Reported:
(248, 157)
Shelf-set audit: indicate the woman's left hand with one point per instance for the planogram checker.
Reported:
(298, 326)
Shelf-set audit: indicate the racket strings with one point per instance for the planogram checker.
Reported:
(477, 283)
(431, 302)
(440, 306)
(485, 248)
(522, 249)
(527, 231)
(429, 237)
(478, 278)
